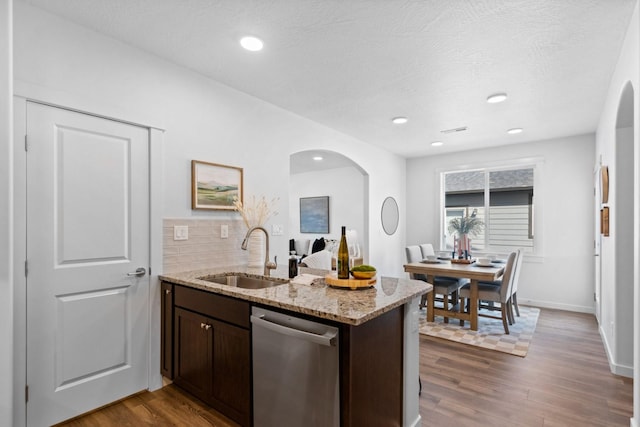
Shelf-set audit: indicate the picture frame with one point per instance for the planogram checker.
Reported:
(604, 183)
(215, 186)
(604, 221)
(314, 215)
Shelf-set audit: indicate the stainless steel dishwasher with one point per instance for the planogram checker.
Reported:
(295, 371)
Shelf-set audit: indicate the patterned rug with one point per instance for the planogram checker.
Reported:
(490, 333)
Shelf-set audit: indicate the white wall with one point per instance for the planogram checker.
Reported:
(204, 120)
(627, 71)
(6, 217)
(561, 275)
(346, 190)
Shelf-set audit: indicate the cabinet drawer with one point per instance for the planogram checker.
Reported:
(219, 307)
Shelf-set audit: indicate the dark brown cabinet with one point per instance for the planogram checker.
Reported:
(166, 330)
(193, 349)
(206, 349)
(212, 350)
(232, 371)
(372, 372)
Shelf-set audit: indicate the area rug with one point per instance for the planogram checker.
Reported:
(490, 333)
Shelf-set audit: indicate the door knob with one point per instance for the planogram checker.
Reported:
(139, 272)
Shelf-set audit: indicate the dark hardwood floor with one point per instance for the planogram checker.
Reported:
(169, 406)
(563, 381)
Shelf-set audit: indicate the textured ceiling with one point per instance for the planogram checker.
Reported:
(353, 65)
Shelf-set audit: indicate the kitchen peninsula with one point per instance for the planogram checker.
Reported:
(377, 341)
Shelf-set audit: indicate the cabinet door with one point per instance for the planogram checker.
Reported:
(193, 345)
(166, 330)
(232, 371)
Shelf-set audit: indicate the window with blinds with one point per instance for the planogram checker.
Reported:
(502, 198)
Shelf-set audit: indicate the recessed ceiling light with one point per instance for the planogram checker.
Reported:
(253, 44)
(437, 143)
(317, 158)
(514, 131)
(496, 97)
(399, 120)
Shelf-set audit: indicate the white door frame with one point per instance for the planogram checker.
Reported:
(597, 240)
(22, 94)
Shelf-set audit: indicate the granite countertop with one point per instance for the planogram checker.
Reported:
(352, 307)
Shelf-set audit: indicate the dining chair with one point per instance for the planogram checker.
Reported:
(491, 292)
(427, 250)
(442, 286)
(513, 302)
(516, 279)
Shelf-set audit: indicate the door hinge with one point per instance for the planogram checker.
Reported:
(26, 268)
(26, 393)
(26, 143)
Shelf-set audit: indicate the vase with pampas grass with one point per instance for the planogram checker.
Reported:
(255, 213)
(463, 227)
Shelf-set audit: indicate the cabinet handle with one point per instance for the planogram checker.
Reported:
(167, 291)
(205, 326)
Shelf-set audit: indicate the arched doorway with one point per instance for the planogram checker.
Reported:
(623, 210)
(315, 173)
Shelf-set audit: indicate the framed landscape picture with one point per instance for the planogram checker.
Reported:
(214, 186)
(314, 215)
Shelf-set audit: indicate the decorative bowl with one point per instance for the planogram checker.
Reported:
(363, 274)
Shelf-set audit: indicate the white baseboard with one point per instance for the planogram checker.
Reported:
(155, 382)
(557, 306)
(616, 369)
(622, 370)
(416, 423)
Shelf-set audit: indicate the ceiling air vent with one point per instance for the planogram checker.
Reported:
(460, 129)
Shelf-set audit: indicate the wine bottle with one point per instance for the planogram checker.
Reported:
(293, 266)
(343, 256)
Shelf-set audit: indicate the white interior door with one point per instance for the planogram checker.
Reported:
(87, 229)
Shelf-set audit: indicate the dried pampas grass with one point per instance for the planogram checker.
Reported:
(256, 212)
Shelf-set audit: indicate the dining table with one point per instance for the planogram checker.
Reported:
(474, 272)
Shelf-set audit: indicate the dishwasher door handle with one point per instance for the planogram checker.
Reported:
(327, 339)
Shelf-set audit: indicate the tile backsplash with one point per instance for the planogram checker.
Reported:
(204, 248)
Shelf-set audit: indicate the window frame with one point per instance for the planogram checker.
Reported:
(536, 208)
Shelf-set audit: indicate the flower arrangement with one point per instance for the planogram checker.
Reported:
(466, 225)
(463, 227)
(255, 212)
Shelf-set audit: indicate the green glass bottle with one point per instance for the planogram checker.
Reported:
(343, 256)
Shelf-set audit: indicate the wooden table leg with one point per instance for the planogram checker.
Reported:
(430, 302)
(473, 305)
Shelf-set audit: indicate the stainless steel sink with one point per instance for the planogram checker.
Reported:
(245, 281)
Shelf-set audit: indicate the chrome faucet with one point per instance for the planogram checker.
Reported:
(268, 265)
